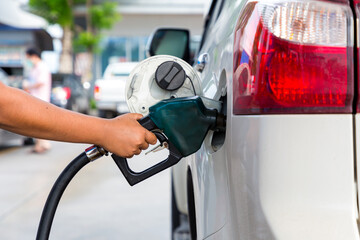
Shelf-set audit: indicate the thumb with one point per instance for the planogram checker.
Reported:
(135, 116)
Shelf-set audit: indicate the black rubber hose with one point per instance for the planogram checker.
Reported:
(56, 192)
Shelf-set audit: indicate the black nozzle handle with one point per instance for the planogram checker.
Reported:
(136, 177)
(147, 123)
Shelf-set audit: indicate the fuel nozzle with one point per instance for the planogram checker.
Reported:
(185, 121)
(220, 123)
(180, 122)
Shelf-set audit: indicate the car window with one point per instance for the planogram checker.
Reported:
(215, 15)
(211, 18)
(120, 74)
(119, 69)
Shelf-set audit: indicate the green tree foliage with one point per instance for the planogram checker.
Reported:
(87, 41)
(54, 11)
(99, 16)
(104, 16)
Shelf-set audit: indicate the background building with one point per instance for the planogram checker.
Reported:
(126, 41)
(19, 30)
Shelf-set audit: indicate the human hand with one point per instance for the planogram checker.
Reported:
(125, 137)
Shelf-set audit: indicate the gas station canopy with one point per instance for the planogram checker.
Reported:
(13, 15)
(16, 21)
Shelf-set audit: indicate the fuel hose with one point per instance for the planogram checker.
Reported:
(59, 187)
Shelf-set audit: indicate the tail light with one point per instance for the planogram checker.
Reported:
(293, 57)
(357, 13)
(96, 92)
(68, 92)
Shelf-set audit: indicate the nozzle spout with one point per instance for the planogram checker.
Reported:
(220, 124)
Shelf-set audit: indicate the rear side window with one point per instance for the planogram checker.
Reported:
(211, 18)
(120, 74)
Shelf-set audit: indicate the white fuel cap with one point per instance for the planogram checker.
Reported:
(157, 78)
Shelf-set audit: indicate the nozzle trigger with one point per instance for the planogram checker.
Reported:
(173, 158)
(158, 148)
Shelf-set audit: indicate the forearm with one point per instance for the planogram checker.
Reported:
(26, 115)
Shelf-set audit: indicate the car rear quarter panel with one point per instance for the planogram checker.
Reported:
(277, 176)
(292, 177)
(209, 168)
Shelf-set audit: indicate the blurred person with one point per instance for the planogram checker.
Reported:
(38, 84)
(24, 114)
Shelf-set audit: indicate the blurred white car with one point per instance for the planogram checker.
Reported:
(109, 92)
(8, 138)
(287, 166)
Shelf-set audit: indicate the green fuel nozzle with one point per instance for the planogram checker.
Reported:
(179, 123)
(185, 121)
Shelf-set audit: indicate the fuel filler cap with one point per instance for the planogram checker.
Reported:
(170, 75)
(157, 78)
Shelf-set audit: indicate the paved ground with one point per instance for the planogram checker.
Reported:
(98, 204)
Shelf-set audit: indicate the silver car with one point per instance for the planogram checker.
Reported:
(286, 167)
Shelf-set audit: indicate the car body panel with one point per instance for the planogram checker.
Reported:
(178, 173)
(214, 81)
(277, 176)
(210, 187)
(357, 151)
(273, 176)
(209, 167)
(292, 177)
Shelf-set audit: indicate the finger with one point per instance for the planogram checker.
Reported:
(137, 152)
(150, 137)
(144, 146)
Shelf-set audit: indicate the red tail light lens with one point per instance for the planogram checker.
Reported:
(357, 12)
(293, 57)
(96, 92)
(68, 92)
